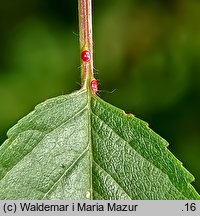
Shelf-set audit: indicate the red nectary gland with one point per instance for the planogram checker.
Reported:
(85, 56)
(94, 85)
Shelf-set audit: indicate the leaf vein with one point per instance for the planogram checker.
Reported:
(67, 170)
(74, 116)
(112, 178)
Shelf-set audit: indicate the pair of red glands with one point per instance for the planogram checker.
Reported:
(86, 57)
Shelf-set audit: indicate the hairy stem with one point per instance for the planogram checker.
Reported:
(85, 37)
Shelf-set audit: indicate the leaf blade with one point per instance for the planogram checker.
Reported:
(79, 147)
(141, 142)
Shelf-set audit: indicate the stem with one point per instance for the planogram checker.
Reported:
(85, 32)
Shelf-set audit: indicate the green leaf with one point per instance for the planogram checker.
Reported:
(79, 147)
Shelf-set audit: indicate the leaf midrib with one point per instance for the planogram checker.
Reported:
(90, 144)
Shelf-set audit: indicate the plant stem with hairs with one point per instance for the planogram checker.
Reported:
(86, 43)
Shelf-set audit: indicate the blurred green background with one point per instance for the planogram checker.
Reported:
(147, 60)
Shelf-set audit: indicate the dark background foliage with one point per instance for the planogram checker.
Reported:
(147, 60)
